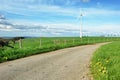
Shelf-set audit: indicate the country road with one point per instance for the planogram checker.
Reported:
(65, 64)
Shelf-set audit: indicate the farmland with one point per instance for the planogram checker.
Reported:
(32, 46)
(106, 62)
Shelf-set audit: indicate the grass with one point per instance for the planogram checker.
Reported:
(106, 62)
(32, 46)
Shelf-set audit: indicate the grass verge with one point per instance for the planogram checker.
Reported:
(106, 62)
(32, 46)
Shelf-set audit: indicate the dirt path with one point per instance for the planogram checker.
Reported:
(65, 64)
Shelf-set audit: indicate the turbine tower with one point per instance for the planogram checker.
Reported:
(81, 34)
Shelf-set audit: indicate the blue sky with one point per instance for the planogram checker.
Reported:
(59, 17)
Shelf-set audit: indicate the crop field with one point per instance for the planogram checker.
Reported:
(106, 62)
(32, 46)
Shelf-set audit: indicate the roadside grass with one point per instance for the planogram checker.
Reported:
(106, 62)
(32, 46)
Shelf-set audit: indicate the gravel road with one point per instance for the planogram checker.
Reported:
(65, 64)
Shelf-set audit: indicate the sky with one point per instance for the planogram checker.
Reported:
(47, 18)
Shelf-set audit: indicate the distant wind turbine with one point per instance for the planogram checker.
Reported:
(81, 34)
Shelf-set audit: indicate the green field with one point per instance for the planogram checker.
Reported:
(32, 46)
(106, 62)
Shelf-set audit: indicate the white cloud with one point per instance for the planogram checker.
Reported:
(99, 12)
(54, 9)
(7, 28)
(85, 1)
(103, 28)
(63, 25)
(32, 10)
(2, 17)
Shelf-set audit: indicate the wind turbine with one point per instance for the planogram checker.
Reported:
(81, 34)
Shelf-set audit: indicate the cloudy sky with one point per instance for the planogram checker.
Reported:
(59, 17)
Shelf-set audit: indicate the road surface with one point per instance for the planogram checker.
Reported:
(65, 64)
